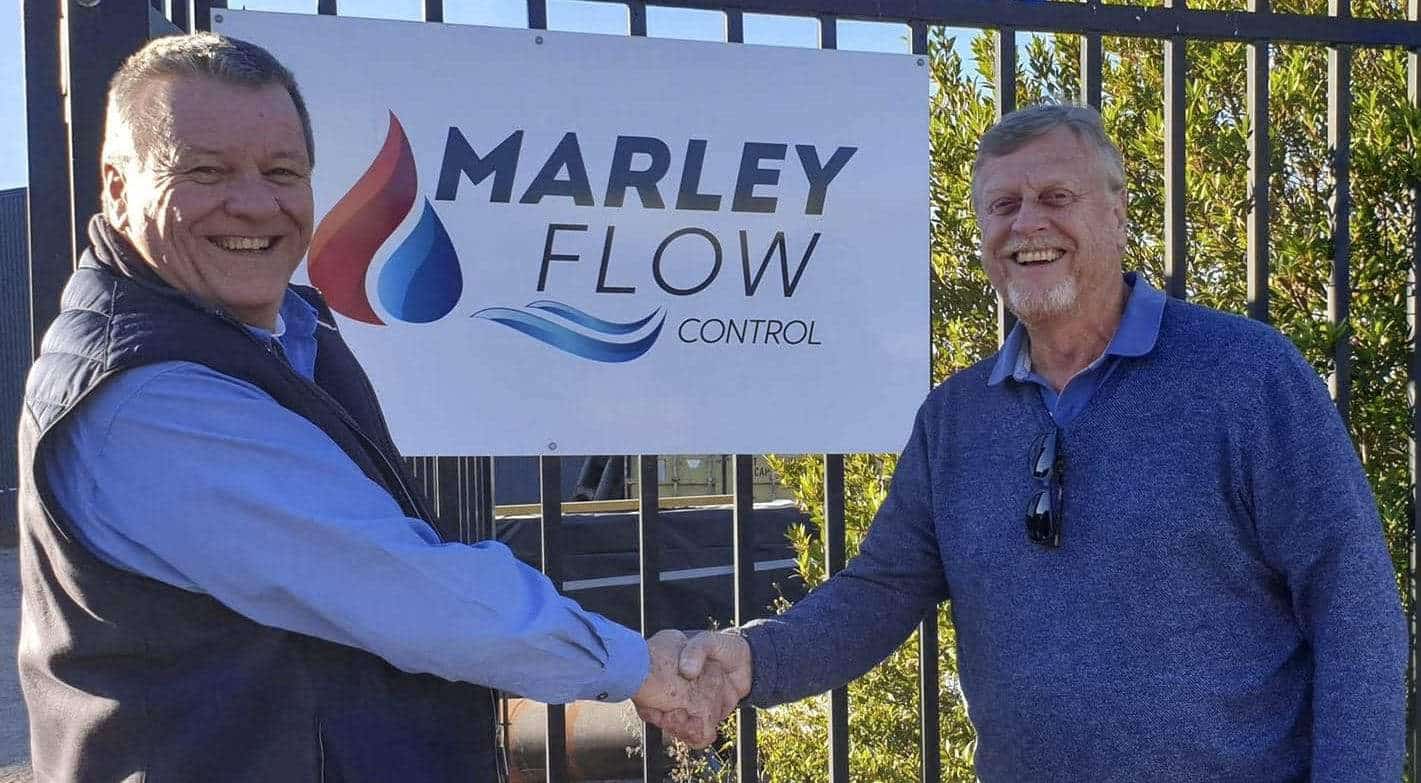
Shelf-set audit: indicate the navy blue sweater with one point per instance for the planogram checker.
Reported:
(1222, 606)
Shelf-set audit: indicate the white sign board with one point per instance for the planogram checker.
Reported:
(544, 242)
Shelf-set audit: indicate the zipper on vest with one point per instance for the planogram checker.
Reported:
(321, 748)
(394, 474)
(274, 349)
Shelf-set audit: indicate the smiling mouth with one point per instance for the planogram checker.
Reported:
(242, 244)
(1037, 257)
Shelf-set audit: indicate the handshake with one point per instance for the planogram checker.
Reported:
(694, 683)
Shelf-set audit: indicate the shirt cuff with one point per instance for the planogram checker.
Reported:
(763, 671)
(628, 661)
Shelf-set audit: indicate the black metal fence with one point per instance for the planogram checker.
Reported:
(14, 349)
(72, 46)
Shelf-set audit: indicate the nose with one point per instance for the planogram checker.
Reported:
(251, 197)
(1029, 217)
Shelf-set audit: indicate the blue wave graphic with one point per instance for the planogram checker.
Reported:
(421, 281)
(575, 343)
(591, 321)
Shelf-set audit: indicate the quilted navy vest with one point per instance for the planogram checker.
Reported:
(128, 678)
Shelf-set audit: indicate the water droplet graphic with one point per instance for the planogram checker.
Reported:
(422, 282)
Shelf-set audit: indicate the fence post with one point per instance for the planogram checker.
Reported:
(1258, 171)
(1413, 92)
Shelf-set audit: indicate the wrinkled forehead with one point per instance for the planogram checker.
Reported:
(1055, 159)
(199, 114)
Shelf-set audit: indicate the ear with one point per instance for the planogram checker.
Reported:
(115, 195)
(1122, 217)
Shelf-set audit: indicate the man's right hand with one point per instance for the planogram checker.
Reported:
(687, 709)
(711, 689)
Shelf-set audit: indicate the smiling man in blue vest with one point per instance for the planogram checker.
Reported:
(1163, 559)
(226, 573)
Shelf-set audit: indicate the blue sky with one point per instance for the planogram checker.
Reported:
(575, 15)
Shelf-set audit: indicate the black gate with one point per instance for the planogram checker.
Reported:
(73, 46)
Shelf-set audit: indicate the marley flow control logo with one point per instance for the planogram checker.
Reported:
(421, 281)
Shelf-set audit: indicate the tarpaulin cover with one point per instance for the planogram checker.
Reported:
(601, 565)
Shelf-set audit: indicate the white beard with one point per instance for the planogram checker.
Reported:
(1030, 304)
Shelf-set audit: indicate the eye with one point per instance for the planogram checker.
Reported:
(1002, 206)
(1058, 198)
(205, 174)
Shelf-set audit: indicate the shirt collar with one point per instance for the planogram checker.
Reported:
(1136, 334)
(296, 319)
(299, 316)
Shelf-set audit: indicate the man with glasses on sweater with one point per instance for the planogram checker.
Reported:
(1163, 558)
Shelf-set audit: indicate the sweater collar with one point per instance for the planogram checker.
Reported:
(1136, 334)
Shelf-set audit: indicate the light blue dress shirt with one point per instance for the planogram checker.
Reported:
(204, 482)
(1134, 336)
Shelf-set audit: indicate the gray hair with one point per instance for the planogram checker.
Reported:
(131, 124)
(1023, 126)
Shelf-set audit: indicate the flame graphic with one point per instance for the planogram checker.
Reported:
(346, 241)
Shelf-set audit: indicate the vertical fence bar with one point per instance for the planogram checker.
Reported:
(746, 606)
(1006, 71)
(50, 221)
(550, 476)
(478, 498)
(636, 17)
(929, 709)
(537, 14)
(461, 493)
(100, 38)
(929, 718)
(655, 764)
(828, 31)
(734, 26)
(1339, 140)
(202, 13)
(1006, 104)
(742, 476)
(180, 14)
(448, 484)
(471, 489)
(415, 466)
(1092, 58)
(481, 496)
(834, 524)
(1413, 92)
(834, 530)
(1258, 171)
(550, 472)
(1176, 252)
